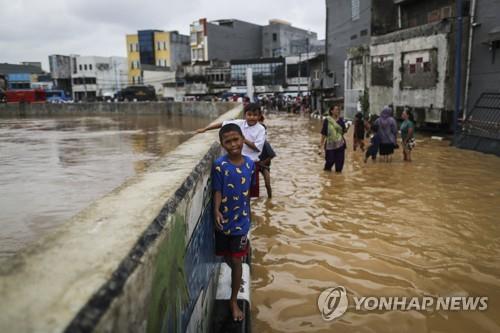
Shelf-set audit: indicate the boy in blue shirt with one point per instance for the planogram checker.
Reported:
(232, 176)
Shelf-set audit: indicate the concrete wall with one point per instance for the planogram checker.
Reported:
(209, 109)
(138, 260)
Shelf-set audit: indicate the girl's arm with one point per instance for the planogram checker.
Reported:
(251, 145)
(322, 143)
(209, 127)
(410, 134)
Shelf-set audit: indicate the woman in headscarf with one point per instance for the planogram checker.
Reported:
(332, 140)
(387, 131)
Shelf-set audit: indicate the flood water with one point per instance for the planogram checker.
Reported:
(51, 168)
(426, 228)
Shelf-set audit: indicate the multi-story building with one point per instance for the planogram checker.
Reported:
(155, 48)
(268, 75)
(281, 39)
(402, 51)
(60, 70)
(413, 58)
(97, 77)
(225, 40)
(347, 28)
(481, 104)
(22, 76)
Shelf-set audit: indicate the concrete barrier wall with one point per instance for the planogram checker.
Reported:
(140, 259)
(93, 109)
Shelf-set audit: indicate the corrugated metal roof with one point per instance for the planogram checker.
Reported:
(17, 69)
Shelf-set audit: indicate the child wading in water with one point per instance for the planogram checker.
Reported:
(254, 136)
(265, 162)
(359, 132)
(374, 144)
(232, 176)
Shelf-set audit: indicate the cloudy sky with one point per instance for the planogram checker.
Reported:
(30, 30)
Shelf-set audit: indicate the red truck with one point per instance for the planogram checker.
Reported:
(26, 96)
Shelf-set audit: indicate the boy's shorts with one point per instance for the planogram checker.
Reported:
(231, 246)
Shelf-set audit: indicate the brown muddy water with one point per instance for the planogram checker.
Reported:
(429, 228)
(51, 168)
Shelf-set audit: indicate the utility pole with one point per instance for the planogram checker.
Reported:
(458, 66)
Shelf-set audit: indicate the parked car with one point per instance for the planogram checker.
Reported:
(136, 93)
(57, 97)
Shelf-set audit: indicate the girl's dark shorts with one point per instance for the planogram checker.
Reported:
(386, 149)
(231, 246)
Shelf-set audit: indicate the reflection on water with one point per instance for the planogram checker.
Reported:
(52, 168)
(429, 228)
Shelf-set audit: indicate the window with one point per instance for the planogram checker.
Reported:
(90, 66)
(80, 67)
(413, 68)
(136, 47)
(355, 9)
(164, 45)
(446, 12)
(275, 37)
(85, 66)
(133, 79)
(131, 47)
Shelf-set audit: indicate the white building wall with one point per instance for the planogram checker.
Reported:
(157, 79)
(110, 74)
(433, 99)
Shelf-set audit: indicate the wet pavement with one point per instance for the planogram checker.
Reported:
(426, 228)
(51, 168)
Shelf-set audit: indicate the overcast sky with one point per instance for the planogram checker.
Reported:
(30, 30)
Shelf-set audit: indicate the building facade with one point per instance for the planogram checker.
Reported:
(96, 78)
(413, 65)
(481, 116)
(22, 76)
(225, 40)
(484, 73)
(60, 70)
(281, 39)
(268, 75)
(155, 48)
(347, 27)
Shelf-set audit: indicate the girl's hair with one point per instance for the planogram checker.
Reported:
(252, 107)
(330, 112)
(410, 115)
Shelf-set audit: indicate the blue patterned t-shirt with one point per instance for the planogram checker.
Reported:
(234, 182)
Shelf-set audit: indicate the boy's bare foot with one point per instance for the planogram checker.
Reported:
(236, 311)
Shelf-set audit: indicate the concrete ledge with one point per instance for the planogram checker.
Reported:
(135, 108)
(116, 265)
